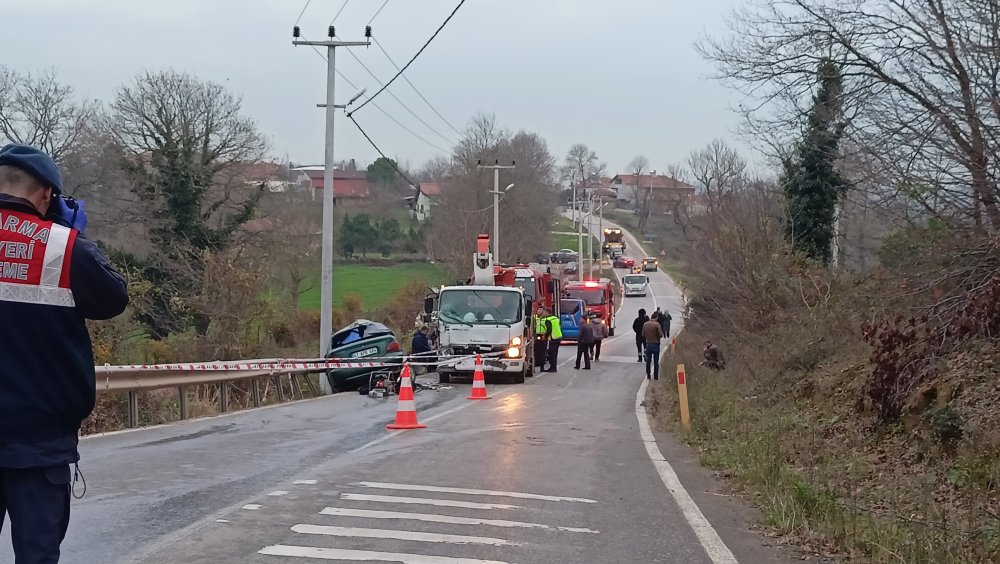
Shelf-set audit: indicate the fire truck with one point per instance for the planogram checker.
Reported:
(490, 316)
(599, 297)
(542, 287)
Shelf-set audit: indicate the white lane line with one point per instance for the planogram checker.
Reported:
(252, 506)
(362, 532)
(304, 482)
(278, 493)
(366, 555)
(717, 550)
(467, 491)
(425, 501)
(433, 518)
(221, 521)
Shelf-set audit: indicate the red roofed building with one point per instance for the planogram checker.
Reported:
(348, 185)
(665, 192)
(428, 194)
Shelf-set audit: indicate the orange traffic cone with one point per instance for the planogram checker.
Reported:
(478, 382)
(406, 411)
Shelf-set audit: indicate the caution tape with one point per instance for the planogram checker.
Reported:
(293, 365)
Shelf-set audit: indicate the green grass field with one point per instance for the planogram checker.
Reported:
(375, 284)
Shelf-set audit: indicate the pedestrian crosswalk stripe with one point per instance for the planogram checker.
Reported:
(398, 535)
(425, 501)
(467, 491)
(366, 555)
(432, 518)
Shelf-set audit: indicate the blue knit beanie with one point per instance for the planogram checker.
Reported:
(34, 162)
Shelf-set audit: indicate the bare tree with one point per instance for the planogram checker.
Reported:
(582, 167)
(920, 87)
(36, 109)
(642, 197)
(718, 169)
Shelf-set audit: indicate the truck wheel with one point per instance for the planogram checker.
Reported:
(519, 377)
(611, 332)
(444, 378)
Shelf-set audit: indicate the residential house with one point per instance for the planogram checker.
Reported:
(665, 193)
(428, 196)
(349, 186)
(272, 175)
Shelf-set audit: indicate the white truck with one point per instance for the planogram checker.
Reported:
(491, 316)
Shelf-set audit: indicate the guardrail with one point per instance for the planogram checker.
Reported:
(138, 378)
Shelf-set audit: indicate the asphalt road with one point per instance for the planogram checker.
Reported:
(557, 470)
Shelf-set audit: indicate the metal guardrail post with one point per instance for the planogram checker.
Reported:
(281, 391)
(133, 410)
(296, 387)
(224, 396)
(255, 389)
(182, 394)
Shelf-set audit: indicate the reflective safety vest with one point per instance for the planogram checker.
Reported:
(539, 326)
(556, 328)
(35, 257)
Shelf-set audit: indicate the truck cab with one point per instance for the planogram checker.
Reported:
(599, 297)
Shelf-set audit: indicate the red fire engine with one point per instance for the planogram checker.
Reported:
(599, 296)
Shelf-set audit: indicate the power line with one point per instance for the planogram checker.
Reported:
(380, 108)
(396, 98)
(298, 19)
(401, 173)
(342, 6)
(377, 13)
(448, 19)
(426, 101)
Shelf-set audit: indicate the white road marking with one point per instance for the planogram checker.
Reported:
(433, 518)
(425, 501)
(304, 482)
(366, 555)
(717, 550)
(467, 491)
(397, 535)
(252, 506)
(277, 493)
(221, 521)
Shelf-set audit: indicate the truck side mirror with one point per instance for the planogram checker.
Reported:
(428, 307)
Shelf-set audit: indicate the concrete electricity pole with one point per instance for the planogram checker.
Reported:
(590, 239)
(326, 284)
(496, 203)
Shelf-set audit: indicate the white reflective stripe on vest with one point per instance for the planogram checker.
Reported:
(47, 292)
(55, 252)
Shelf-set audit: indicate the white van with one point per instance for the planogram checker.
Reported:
(635, 284)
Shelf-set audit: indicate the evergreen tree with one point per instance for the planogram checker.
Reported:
(810, 180)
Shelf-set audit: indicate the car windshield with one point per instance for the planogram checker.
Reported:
(635, 279)
(480, 306)
(591, 296)
(569, 307)
(357, 331)
(528, 285)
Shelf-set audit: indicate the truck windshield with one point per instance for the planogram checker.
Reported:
(591, 296)
(528, 285)
(631, 280)
(480, 307)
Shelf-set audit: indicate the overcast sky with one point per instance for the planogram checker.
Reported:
(621, 76)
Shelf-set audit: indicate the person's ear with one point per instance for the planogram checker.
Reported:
(45, 200)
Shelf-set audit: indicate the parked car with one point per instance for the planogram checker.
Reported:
(650, 264)
(542, 259)
(571, 268)
(567, 255)
(570, 314)
(358, 341)
(624, 262)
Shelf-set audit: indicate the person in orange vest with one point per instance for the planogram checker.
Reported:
(52, 278)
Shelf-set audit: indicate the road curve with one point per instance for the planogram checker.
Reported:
(552, 471)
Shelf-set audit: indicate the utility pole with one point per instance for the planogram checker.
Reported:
(590, 239)
(496, 166)
(579, 242)
(326, 284)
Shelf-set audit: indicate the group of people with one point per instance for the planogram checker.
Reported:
(649, 331)
(548, 339)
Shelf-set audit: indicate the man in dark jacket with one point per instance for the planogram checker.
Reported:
(420, 346)
(637, 329)
(664, 319)
(584, 341)
(52, 278)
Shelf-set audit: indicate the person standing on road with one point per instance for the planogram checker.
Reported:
(541, 344)
(637, 329)
(652, 332)
(420, 347)
(664, 319)
(52, 279)
(600, 333)
(584, 342)
(554, 337)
